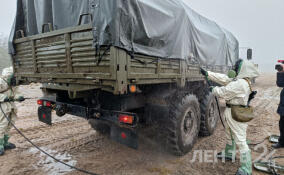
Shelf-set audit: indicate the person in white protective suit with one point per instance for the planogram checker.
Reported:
(235, 91)
(8, 95)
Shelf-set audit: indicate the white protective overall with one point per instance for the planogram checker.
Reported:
(235, 92)
(8, 107)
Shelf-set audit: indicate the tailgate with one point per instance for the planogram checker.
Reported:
(61, 56)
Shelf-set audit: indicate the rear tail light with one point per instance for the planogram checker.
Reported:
(127, 119)
(47, 104)
(40, 102)
(44, 103)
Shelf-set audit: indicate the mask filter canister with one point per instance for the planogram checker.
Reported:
(232, 74)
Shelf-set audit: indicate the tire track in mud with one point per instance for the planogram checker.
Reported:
(76, 142)
(34, 125)
(42, 137)
(66, 133)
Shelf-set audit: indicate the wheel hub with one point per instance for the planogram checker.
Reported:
(188, 123)
(188, 126)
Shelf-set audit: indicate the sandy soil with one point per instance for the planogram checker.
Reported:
(72, 140)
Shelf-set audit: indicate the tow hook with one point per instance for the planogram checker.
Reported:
(97, 115)
(60, 110)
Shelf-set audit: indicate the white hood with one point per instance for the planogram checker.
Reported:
(248, 70)
(7, 72)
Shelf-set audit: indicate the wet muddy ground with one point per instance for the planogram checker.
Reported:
(72, 140)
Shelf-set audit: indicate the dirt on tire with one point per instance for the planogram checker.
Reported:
(181, 128)
(209, 115)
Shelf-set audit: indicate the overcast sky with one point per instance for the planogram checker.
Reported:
(256, 23)
(7, 15)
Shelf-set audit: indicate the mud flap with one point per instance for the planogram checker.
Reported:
(268, 167)
(274, 138)
(44, 115)
(124, 136)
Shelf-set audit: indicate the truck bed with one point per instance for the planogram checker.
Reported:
(66, 60)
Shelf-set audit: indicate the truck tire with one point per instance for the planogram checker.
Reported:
(209, 115)
(99, 126)
(183, 125)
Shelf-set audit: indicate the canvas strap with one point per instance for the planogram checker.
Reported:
(249, 83)
(250, 87)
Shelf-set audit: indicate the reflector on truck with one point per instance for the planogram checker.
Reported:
(44, 115)
(124, 136)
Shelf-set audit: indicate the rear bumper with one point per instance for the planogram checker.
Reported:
(112, 117)
(123, 133)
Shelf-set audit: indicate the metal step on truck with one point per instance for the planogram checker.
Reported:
(101, 63)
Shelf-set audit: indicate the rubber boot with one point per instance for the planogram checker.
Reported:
(277, 146)
(8, 145)
(2, 151)
(230, 151)
(246, 164)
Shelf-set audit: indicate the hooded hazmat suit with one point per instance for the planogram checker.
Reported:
(235, 92)
(11, 94)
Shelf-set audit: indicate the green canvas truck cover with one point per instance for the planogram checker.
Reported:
(160, 28)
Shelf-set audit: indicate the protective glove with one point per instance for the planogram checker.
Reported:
(204, 72)
(11, 80)
(211, 88)
(20, 99)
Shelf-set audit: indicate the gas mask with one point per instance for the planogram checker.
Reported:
(236, 70)
(238, 66)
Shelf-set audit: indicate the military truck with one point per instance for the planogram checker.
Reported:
(123, 65)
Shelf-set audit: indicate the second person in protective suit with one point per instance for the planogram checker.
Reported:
(8, 95)
(235, 91)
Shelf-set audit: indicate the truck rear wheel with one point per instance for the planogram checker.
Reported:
(183, 124)
(99, 126)
(209, 115)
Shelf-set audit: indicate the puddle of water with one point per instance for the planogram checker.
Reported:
(51, 166)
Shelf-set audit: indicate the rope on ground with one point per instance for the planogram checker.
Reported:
(41, 150)
(257, 143)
